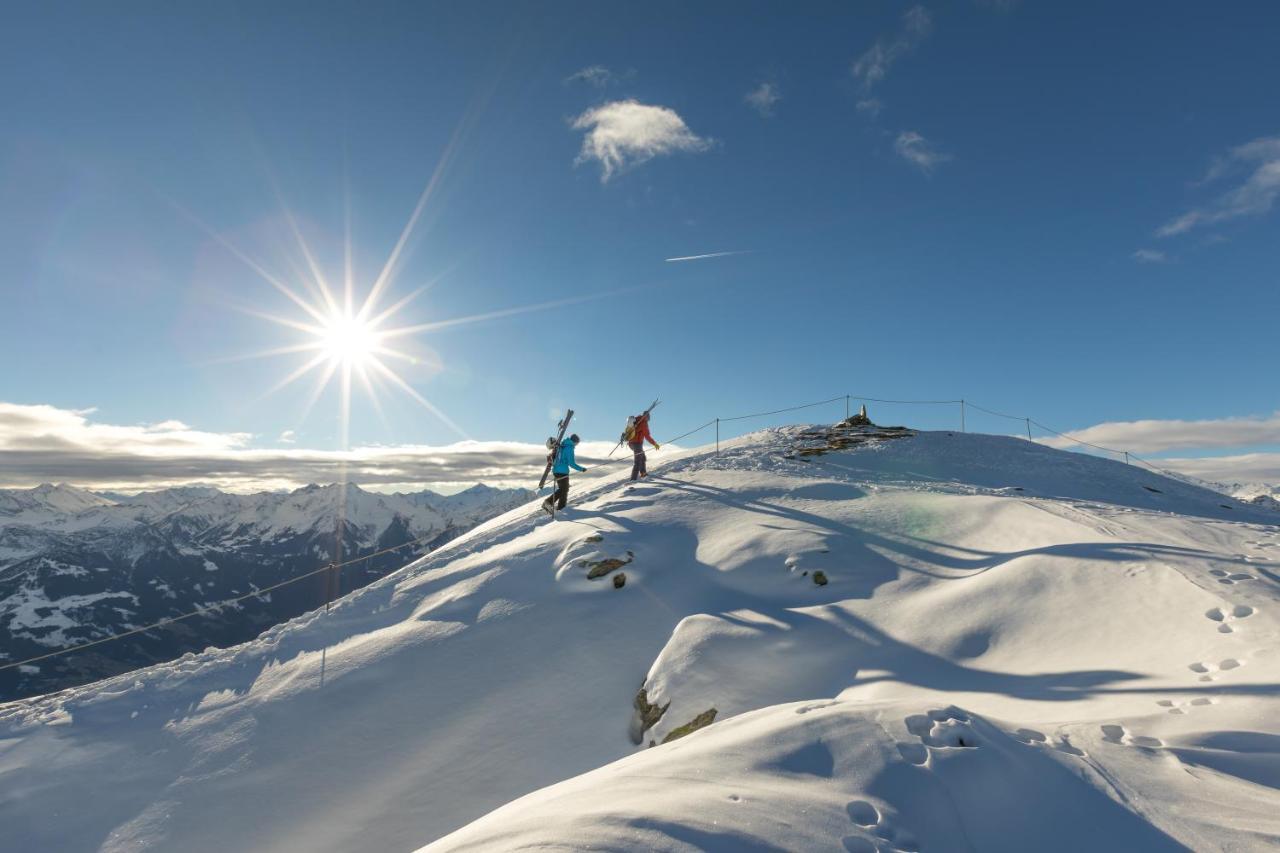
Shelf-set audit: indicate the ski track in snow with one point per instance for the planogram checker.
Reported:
(941, 642)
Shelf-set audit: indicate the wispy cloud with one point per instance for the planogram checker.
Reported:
(1254, 168)
(287, 437)
(593, 75)
(918, 151)
(708, 255)
(1159, 436)
(623, 134)
(40, 443)
(870, 107)
(764, 98)
(874, 64)
(1150, 256)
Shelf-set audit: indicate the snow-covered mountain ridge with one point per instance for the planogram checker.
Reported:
(1009, 648)
(75, 566)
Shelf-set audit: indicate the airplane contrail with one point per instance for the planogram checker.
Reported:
(708, 255)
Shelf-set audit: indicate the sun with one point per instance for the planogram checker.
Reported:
(349, 341)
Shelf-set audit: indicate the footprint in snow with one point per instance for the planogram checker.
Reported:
(869, 819)
(1064, 745)
(1216, 614)
(1205, 668)
(804, 709)
(1031, 737)
(1179, 707)
(863, 813)
(1118, 734)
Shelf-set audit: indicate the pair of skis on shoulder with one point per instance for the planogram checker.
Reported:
(652, 406)
(553, 448)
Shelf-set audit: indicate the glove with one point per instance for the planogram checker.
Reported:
(657, 446)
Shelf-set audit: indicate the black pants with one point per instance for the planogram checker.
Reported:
(638, 468)
(561, 497)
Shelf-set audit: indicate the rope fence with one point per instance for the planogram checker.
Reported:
(1028, 422)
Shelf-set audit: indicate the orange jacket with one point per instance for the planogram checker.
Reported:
(641, 433)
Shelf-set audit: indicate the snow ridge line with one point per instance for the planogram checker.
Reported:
(963, 403)
(714, 421)
(215, 606)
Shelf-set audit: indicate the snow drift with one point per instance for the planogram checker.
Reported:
(935, 642)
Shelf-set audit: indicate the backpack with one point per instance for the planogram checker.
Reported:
(629, 433)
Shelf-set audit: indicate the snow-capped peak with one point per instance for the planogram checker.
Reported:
(48, 498)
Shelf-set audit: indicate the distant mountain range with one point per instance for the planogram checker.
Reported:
(76, 566)
(1261, 494)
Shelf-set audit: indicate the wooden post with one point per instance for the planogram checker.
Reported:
(717, 436)
(962, 416)
(1028, 420)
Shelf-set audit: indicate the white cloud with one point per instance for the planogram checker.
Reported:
(623, 134)
(763, 98)
(1150, 256)
(1158, 436)
(1256, 166)
(874, 64)
(918, 151)
(287, 437)
(1244, 468)
(593, 75)
(40, 443)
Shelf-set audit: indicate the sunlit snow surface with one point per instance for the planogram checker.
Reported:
(1017, 649)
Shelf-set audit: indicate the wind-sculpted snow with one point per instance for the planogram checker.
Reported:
(1010, 648)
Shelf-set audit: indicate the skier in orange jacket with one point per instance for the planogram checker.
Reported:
(639, 435)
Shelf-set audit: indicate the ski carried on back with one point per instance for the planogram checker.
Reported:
(631, 422)
(553, 446)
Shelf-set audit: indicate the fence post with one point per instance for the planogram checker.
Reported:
(846, 407)
(1126, 457)
(717, 436)
(962, 416)
(328, 587)
(1028, 420)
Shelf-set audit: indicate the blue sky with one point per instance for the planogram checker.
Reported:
(1062, 210)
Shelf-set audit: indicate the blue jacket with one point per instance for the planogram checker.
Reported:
(565, 460)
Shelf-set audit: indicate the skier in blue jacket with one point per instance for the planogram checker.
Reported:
(564, 461)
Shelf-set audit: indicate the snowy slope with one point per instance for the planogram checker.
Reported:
(1016, 648)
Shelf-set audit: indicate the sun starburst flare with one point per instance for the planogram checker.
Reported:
(351, 341)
